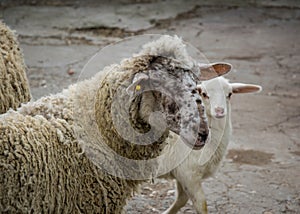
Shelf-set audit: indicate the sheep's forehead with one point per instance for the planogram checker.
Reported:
(216, 86)
(177, 86)
(179, 77)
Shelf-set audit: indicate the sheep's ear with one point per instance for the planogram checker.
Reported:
(135, 85)
(245, 88)
(212, 70)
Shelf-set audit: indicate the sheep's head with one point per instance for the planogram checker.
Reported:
(217, 92)
(165, 97)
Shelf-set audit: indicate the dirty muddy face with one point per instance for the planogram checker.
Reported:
(181, 104)
(185, 113)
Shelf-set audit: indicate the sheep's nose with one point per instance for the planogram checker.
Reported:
(203, 137)
(219, 112)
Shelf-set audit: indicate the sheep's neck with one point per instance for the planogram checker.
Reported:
(221, 140)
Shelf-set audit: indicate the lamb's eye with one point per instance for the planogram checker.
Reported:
(229, 95)
(205, 95)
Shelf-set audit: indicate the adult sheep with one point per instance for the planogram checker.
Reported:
(14, 87)
(198, 166)
(50, 160)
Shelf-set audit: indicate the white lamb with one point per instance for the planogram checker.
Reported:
(199, 165)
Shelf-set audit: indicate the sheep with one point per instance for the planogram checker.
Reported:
(14, 87)
(198, 166)
(65, 153)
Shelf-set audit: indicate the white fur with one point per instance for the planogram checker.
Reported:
(199, 165)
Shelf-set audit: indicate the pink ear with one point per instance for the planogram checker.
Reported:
(210, 71)
(245, 88)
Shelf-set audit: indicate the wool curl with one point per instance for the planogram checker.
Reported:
(14, 87)
(171, 47)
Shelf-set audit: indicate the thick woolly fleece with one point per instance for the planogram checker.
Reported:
(14, 87)
(44, 162)
(43, 166)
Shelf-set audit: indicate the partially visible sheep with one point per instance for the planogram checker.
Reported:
(14, 87)
(51, 160)
(197, 166)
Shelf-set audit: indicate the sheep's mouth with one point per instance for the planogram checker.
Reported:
(220, 116)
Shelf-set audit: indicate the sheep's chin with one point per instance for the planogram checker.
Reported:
(218, 116)
(196, 145)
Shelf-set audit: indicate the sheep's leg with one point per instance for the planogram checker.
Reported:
(197, 196)
(180, 201)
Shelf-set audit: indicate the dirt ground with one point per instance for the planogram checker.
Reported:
(261, 172)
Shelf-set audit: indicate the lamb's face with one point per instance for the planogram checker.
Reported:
(215, 94)
(176, 97)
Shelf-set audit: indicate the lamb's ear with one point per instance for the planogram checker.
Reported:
(212, 70)
(245, 88)
(135, 85)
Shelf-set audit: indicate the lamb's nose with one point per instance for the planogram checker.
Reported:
(219, 110)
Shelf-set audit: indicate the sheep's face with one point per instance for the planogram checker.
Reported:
(216, 94)
(174, 90)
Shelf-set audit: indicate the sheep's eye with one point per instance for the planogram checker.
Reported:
(194, 91)
(229, 95)
(205, 95)
(156, 83)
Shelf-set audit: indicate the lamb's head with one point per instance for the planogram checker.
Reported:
(216, 94)
(164, 97)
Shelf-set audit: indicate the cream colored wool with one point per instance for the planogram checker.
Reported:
(47, 162)
(14, 87)
(43, 166)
